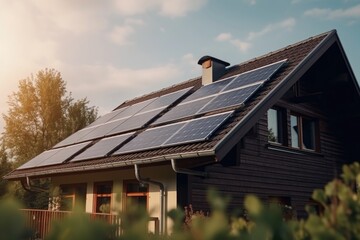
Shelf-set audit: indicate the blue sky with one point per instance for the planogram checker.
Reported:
(113, 50)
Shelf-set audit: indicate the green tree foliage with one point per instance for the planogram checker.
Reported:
(5, 167)
(41, 114)
(339, 220)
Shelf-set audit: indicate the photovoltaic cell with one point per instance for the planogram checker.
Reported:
(150, 138)
(134, 122)
(230, 98)
(166, 100)
(102, 130)
(54, 156)
(198, 129)
(102, 147)
(256, 75)
(133, 109)
(75, 137)
(63, 154)
(107, 117)
(38, 159)
(184, 110)
(208, 90)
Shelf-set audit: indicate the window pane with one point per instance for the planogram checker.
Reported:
(294, 131)
(103, 204)
(103, 188)
(273, 125)
(308, 133)
(136, 187)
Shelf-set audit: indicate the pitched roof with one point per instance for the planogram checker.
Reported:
(300, 57)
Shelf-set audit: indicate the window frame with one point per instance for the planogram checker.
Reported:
(73, 194)
(281, 120)
(300, 133)
(102, 195)
(134, 194)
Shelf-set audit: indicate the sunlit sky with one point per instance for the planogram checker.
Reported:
(113, 50)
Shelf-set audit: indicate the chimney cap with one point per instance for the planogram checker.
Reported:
(207, 57)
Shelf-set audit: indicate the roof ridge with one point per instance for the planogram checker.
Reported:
(283, 48)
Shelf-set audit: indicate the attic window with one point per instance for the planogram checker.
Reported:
(276, 125)
(304, 132)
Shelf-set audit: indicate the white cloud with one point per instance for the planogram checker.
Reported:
(246, 44)
(327, 13)
(242, 46)
(223, 37)
(121, 34)
(169, 8)
(286, 24)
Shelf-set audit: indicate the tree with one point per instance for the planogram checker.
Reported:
(5, 167)
(41, 114)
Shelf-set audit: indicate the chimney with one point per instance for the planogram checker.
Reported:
(213, 69)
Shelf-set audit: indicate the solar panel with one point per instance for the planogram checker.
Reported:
(150, 138)
(39, 158)
(63, 154)
(54, 156)
(198, 130)
(166, 100)
(259, 74)
(73, 138)
(133, 109)
(208, 90)
(184, 110)
(101, 130)
(231, 98)
(107, 117)
(135, 122)
(102, 147)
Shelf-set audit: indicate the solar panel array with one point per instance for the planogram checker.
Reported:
(54, 156)
(115, 131)
(194, 130)
(125, 119)
(232, 91)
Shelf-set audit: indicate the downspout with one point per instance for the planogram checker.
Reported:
(30, 188)
(163, 229)
(187, 171)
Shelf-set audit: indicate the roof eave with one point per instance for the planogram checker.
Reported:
(113, 165)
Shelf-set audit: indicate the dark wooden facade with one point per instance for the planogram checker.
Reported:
(269, 170)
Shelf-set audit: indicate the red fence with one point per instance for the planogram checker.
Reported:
(40, 221)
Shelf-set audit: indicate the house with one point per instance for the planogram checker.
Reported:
(279, 125)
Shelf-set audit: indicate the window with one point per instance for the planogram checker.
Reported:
(102, 195)
(293, 129)
(303, 132)
(136, 194)
(275, 118)
(71, 196)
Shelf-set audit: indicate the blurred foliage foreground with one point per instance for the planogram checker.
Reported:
(339, 219)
